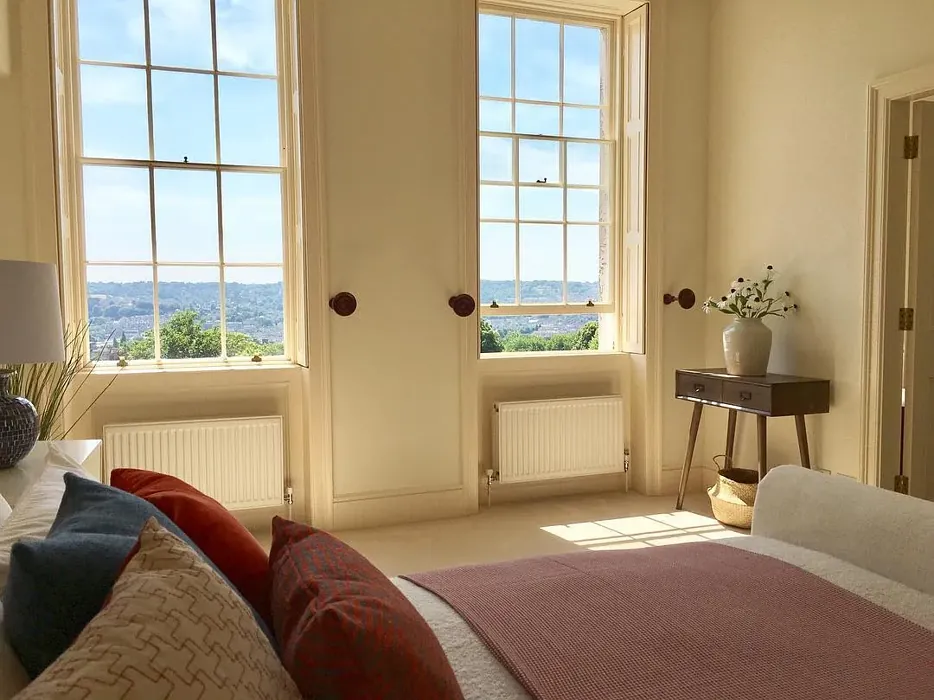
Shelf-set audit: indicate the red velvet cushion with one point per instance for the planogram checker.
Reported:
(222, 538)
(344, 630)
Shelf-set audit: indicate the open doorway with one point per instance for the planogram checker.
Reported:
(898, 357)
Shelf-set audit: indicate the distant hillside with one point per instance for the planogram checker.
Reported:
(126, 309)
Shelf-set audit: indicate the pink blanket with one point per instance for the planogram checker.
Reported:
(685, 622)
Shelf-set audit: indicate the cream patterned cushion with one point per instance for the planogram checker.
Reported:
(172, 630)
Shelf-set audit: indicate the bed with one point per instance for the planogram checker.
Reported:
(832, 596)
(843, 562)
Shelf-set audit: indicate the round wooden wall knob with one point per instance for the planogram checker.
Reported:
(343, 303)
(686, 299)
(463, 305)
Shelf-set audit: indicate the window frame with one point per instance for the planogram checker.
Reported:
(612, 24)
(70, 161)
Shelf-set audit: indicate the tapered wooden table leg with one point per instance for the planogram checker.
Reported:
(689, 455)
(803, 442)
(763, 445)
(730, 439)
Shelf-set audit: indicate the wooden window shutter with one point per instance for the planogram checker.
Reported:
(635, 104)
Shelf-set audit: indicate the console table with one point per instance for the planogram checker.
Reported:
(771, 396)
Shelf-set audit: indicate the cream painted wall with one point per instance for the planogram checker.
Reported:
(788, 130)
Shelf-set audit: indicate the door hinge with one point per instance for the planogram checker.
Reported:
(912, 147)
(901, 484)
(906, 319)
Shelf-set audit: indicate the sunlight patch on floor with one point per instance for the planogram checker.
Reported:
(637, 532)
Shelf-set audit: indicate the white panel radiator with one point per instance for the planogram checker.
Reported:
(535, 440)
(237, 461)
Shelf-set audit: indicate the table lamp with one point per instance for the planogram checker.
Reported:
(30, 332)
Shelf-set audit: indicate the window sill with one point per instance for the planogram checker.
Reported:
(196, 368)
(493, 364)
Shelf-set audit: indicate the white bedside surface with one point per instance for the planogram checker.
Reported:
(77, 455)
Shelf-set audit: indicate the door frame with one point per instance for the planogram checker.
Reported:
(887, 202)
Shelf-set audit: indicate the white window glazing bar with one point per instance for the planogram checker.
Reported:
(179, 69)
(156, 330)
(176, 165)
(222, 288)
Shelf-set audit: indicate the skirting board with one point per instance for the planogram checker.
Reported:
(700, 479)
(550, 488)
(390, 510)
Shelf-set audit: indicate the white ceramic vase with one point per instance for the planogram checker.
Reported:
(747, 344)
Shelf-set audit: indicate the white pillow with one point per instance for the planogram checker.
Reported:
(33, 516)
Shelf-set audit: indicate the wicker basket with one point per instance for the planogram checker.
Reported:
(733, 496)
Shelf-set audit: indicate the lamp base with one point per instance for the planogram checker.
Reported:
(19, 424)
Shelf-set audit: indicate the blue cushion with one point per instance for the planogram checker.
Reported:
(57, 585)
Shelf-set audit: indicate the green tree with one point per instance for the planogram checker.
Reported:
(516, 342)
(588, 337)
(490, 340)
(184, 337)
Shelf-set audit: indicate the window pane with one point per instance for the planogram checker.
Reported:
(252, 211)
(495, 116)
(114, 118)
(117, 224)
(495, 56)
(189, 312)
(120, 314)
(246, 36)
(584, 163)
(539, 120)
(180, 33)
(495, 159)
(255, 320)
(537, 59)
(539, 161)
(541, 264)
(111, 30)
(584, 263)
(571, 332)
(186, 216)
(541, 203)
(583, 48)
(183, 117)
(497, 264)
(582, 123)
(249, 121)
(497, 202)
(587, 205)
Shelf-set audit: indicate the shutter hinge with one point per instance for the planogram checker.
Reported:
(912, 147)
(288, 498)
(906, 319)
(626, 461)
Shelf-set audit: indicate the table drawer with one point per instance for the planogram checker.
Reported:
(692, 386)
(750, 397)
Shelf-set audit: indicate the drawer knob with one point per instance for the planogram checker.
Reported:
(698, 388)
(745, 396)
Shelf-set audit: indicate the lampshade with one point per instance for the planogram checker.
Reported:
(30, 313)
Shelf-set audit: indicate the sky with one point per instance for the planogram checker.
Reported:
(114, 121)
(113, 99)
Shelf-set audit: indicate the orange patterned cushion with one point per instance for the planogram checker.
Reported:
(173, 630)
